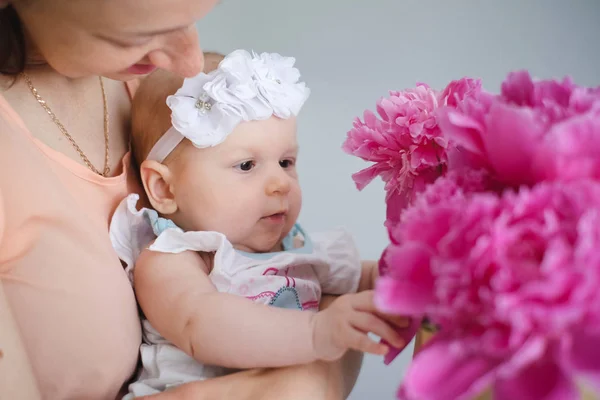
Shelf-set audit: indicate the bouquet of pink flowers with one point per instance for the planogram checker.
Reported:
(493, 214)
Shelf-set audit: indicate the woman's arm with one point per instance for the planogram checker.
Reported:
(16, 377)
(315, 381)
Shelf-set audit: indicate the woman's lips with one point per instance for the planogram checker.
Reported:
(141, 69)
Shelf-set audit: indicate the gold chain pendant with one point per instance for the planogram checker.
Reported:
(106, 170)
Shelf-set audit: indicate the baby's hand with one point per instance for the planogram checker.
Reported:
(345, 325)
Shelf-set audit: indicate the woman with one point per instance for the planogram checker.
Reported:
(69, 325)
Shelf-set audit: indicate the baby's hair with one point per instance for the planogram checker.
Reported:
(212, 60)
(150, 115)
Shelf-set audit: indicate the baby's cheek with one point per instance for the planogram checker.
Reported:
(237, 226)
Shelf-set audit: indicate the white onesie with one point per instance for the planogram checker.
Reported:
(294, 278)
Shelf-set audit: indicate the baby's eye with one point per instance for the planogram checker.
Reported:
(246, 166)
(287, 163)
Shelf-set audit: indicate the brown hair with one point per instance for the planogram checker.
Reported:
(12, 43)
(212, 60)
(150, 115)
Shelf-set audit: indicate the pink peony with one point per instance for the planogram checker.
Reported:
(570, 150)
(457, 91)
(493, 211)
(405, 143)
(504, 133)
(512, 282)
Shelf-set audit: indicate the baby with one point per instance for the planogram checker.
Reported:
(220, 242)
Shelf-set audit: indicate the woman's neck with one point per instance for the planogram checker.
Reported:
(78, 105)
(44, 75)
(46, 79)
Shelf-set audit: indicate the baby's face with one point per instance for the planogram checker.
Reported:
(246, 187)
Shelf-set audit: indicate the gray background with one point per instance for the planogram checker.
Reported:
(351, 53)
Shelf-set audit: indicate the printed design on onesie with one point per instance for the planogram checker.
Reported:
(287, 296)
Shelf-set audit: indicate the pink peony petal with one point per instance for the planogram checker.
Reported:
(442, 371)
(543, 380)
(510, 142)
(457, 90)
(518, 88)
(426, 156)
(408, 287)
(553, 92)
(460, 158)
(407, 334)
(395, 201)
(462, 130)
(401, 298)
(571, 150)
(584, 99)
(583, 357)
(364, 177)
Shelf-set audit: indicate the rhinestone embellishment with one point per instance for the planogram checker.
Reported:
(202, 103)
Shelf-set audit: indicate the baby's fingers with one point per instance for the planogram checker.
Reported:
(366, 322)
(397, 321)
(363, 301)
(360, 341)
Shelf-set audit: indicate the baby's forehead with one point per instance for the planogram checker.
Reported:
(259, 144)
(271, 132)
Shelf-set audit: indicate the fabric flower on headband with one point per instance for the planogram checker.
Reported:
(245, 87)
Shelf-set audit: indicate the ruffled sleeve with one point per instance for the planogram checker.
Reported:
(130, 232)
(343, 270)
(174, 240)
(133, 230)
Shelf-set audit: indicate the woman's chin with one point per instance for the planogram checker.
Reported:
(124, 76)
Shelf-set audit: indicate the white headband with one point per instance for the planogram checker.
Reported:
(244, 87)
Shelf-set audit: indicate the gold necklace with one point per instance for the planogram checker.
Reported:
(87, 162)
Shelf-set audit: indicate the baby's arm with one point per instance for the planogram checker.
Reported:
(215, 328)
(181, 302)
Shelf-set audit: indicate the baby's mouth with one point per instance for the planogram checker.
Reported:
(276, 218)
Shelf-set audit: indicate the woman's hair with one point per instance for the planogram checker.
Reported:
(12, 43)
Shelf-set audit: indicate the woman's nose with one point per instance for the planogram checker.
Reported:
(180, 53)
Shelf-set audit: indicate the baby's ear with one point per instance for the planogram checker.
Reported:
(157, 181)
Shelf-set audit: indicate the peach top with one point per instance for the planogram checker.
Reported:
(67, 289)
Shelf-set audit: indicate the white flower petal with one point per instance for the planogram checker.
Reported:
(192, 86)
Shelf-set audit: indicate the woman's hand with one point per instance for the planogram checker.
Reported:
(312, 381)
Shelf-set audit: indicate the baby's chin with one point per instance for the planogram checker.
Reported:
(260, 247)
(262, 241)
